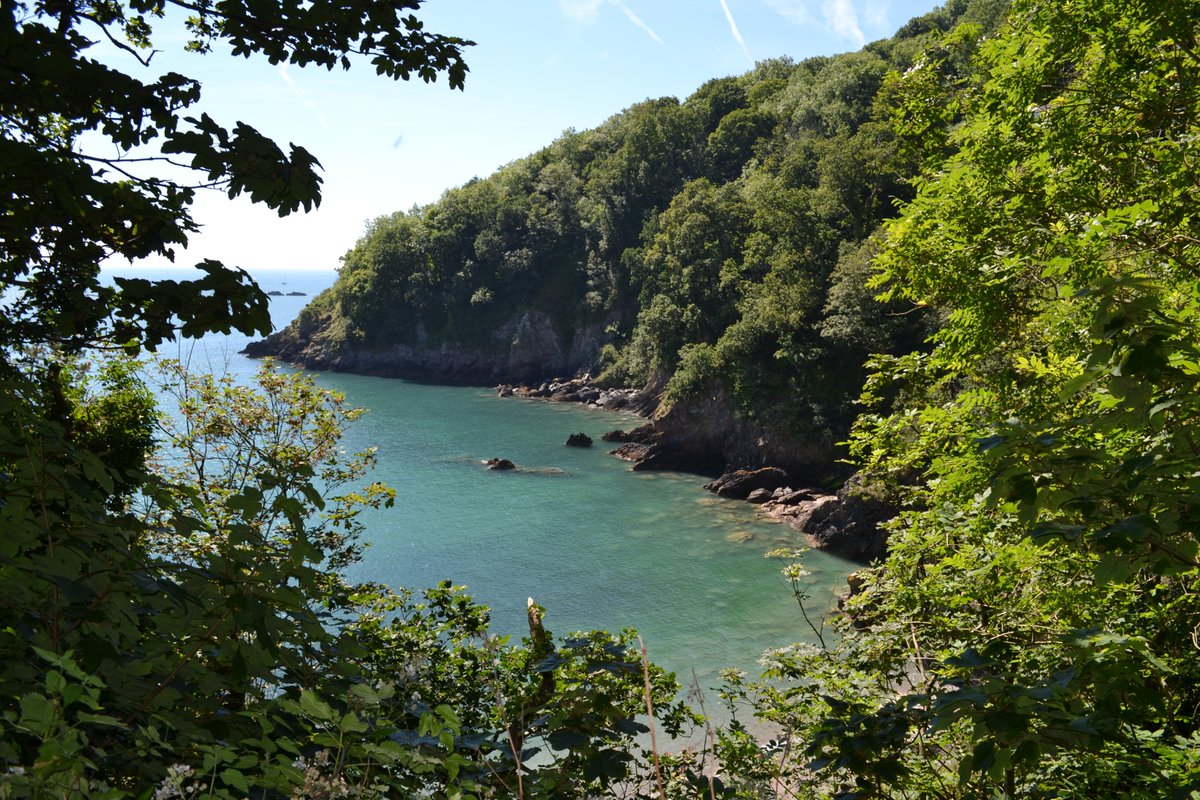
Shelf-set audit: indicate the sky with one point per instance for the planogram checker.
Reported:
(538, 68)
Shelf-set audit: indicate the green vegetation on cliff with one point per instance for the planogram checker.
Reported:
(718, 242)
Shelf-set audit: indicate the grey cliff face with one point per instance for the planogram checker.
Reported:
(535, 350)
(527, 348)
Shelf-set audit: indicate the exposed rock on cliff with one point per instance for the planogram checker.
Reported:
(847, 524)
(704, 434)
(525, 349)
(850, 525)
(534, 349)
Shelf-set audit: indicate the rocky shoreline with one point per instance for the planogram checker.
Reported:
(703, 435)
(846, 523)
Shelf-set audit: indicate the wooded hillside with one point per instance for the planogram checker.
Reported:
(715, 245)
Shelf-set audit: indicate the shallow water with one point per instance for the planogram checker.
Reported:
(597, 545)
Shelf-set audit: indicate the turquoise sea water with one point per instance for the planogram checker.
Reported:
(597, 545)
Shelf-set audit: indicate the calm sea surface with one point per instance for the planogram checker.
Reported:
(595, 544)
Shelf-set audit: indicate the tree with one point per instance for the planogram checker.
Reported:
(1031, 632)
(80, 141)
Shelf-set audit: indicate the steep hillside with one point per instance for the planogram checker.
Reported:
(713, 251)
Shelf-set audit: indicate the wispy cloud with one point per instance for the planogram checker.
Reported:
(580, 10)
(794, 11)
(841, 16)
(838, 16)
(636, 20)
(737, 35)
(876, 12)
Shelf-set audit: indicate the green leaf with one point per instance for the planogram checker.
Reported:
(1114, 568)
(55, 682)
(351, 723)
(100, 719)
(235, 779)
(312, 705)
(38, 713)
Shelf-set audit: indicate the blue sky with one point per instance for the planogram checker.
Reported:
(539, 67)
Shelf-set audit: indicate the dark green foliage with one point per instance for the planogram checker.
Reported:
(66, 207)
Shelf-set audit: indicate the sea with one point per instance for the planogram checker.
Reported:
(597, 545)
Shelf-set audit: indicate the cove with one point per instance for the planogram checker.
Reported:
(597, 545)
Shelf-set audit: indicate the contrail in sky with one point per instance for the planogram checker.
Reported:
(303, 96)
(737, 35)
(636, 21)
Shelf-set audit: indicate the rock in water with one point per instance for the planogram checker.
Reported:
(759, 496)
(500, 464)
(850, 524)
(740, 483)
(579, 440)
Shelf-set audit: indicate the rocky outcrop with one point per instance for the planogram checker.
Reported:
(706, 428)
(850, 526)
(504, 465)
(759, 496)
(579, 440)
(643, 447)
(581, 390)
(848, 523)
(740, 483)
(534, 348)
(703, 435)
